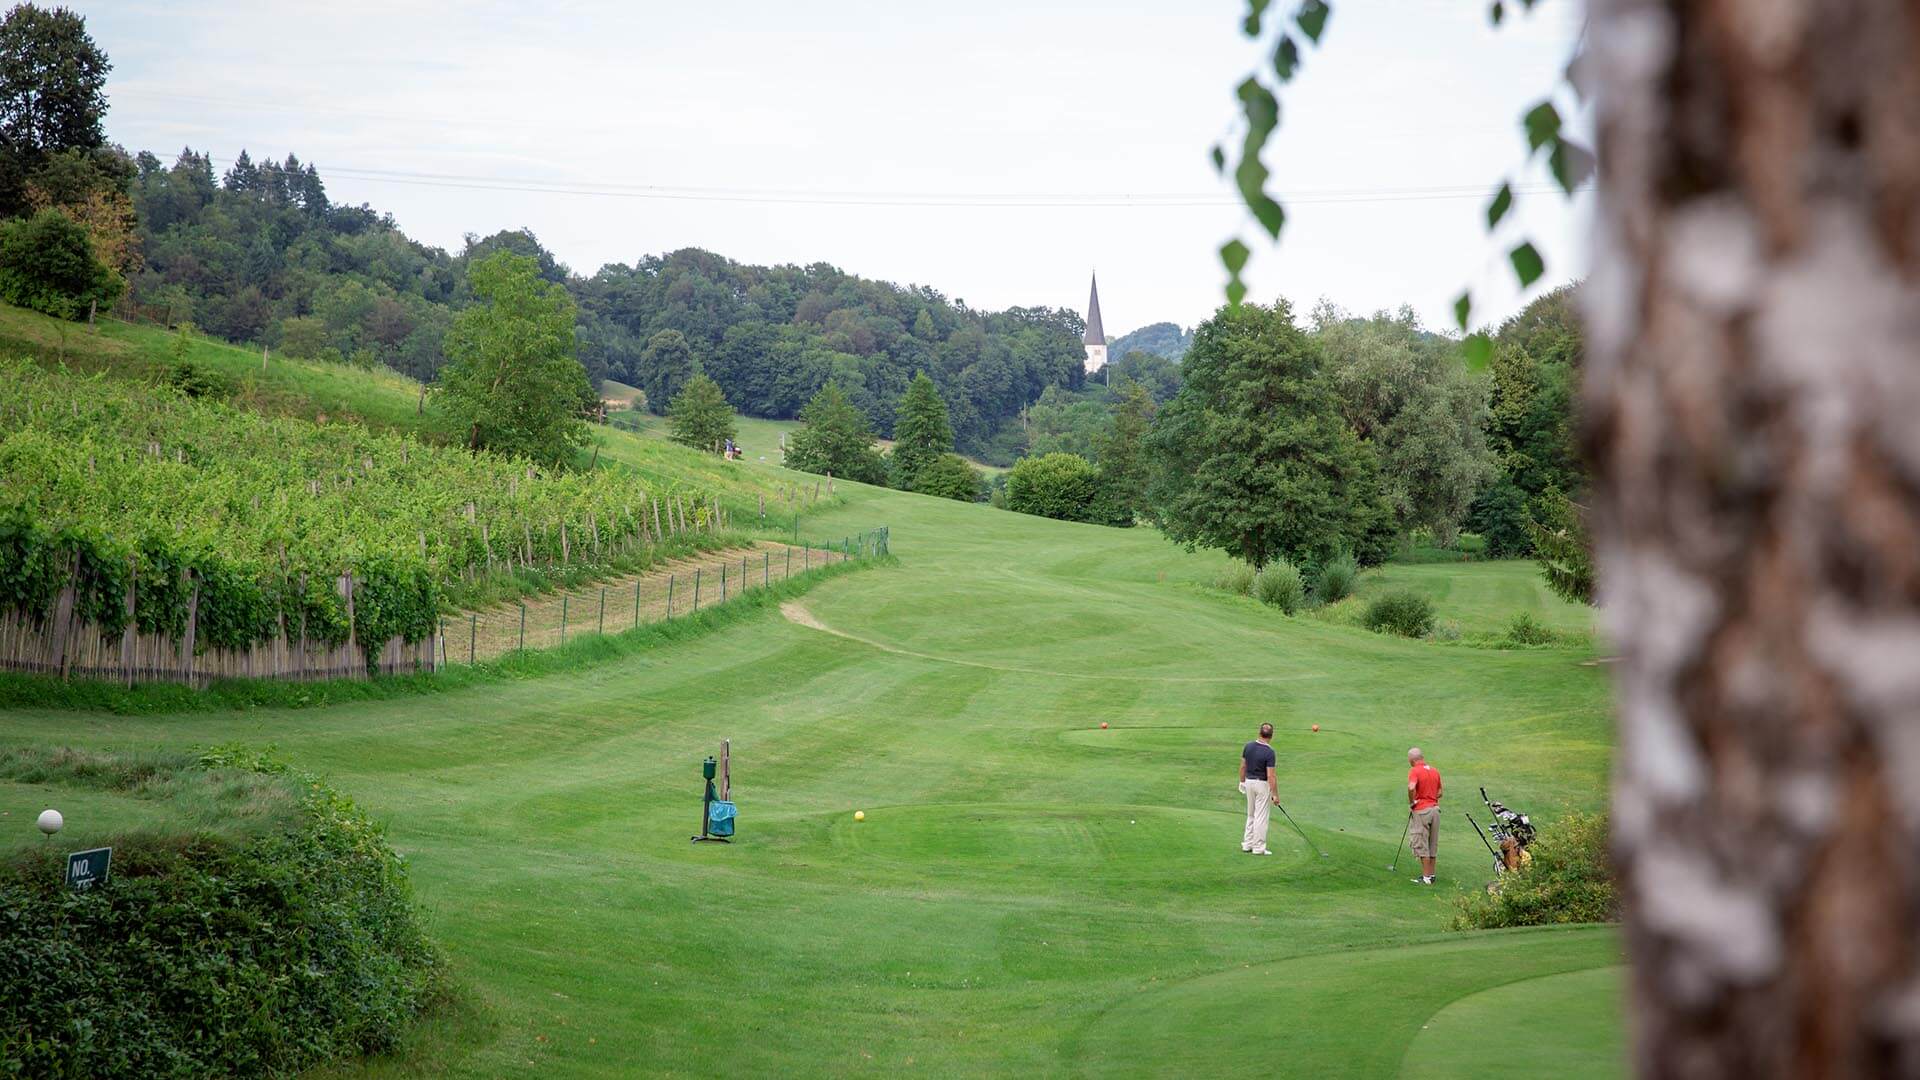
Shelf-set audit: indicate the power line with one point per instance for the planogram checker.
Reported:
(962, 200)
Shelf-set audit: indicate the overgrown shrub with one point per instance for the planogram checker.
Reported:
(259, 949)
(1568, 881)
(1527, 630)
(1279, 585)
(1336, 579)
(1236, 579)
(1402, 612)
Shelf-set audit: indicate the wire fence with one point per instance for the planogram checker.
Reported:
(676, 590)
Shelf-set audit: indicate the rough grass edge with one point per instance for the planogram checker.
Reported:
(23, 691)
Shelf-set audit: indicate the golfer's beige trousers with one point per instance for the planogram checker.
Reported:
(1259, 807)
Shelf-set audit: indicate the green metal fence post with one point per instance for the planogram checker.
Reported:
(636, 604)
(603, 611)
(670, 577)
(723, 583)
(473, 637)
(766, 567)
(789, 570)
(523, 626)
(806, 557)
(563, 618)
(696, 590)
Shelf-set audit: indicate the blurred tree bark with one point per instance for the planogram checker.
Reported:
(1753, 417)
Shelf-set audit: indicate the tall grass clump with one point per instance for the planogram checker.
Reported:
(1279, 585)
(1402, 611)
(1568, 881)
(1236, 579)
(1336, 579)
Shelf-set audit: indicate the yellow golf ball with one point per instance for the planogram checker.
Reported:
(859, 815)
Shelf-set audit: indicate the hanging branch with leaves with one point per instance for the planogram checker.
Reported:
(1545, 131)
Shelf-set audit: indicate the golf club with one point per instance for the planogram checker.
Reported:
(1403, 840)
(1298, 829)
(1483, 839)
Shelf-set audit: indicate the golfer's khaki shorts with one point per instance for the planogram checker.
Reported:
(1423, 839)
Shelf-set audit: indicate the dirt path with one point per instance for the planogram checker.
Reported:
(669, 590)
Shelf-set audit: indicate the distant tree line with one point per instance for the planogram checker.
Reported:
(1163, 339)
(772, 337)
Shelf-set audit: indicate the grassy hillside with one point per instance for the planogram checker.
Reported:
(334, 393)
(760, 438)
(1029, 894)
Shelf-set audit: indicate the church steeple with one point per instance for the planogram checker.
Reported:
(1096, 337)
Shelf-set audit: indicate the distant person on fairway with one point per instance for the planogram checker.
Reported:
(1423, 800)
(1257, 782)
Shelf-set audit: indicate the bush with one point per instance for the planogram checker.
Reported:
(1236, 579)
(1402, 612)
(1336, 579)
(209, 953)
(1279, 585)
(1063, 486)
(1527, 630)
(949, 477)
(1568, 881)
(47, 264)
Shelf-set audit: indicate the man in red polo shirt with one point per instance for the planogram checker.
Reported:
(1423, 799)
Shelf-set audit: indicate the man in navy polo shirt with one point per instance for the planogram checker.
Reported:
(1257, 783)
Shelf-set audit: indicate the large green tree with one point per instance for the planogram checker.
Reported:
(47, 264)
(921, 433)
(1253, 455)
(699, 415)
(1407, 392)
(1126, 469)
(512, 383)
(665, 367)
(52, 94)
(835, 438)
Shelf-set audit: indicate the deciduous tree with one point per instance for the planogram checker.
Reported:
(835, 438)
(1406, 392)
(1253, 457)
(699, 415)
(1126, 470)
(512, 383)
(52, 94)
(47, 264)
(665, 367)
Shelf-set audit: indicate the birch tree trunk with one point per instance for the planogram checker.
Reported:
(1752, 412)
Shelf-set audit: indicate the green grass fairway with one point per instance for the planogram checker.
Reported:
(1029, 895)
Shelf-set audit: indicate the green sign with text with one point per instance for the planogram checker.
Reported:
(85, 868)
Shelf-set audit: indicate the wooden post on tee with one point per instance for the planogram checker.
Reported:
(726, 773)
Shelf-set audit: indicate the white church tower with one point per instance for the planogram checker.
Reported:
(1096, 336)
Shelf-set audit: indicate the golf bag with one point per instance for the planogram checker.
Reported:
(720, 815)
(1512, 832)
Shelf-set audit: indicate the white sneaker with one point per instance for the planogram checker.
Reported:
(1263, 853)
(1423, 881)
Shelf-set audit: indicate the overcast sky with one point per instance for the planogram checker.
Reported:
(997, 150)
